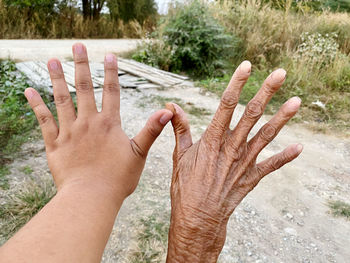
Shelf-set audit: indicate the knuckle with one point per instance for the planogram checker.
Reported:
(276, 163)
(107, 121)
(83, 125)
(241, 78)
(152, 130)
(228, 102)
(268, 132)
(81, 60)
(111, 87)
(217, 125)
(254, 110)
(232, 150)
(84, 87)
(56, 76)
(62, 100)
(44, 118)
(137, 149)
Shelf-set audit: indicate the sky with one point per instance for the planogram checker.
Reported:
(162, 6)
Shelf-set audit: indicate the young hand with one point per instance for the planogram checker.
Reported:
(90, 147)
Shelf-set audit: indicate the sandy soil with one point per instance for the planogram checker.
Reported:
(285, 219)
(43, 49)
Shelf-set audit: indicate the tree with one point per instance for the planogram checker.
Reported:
(92, 8)
(127, 10)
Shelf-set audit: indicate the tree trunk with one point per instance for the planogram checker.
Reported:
(86, 9)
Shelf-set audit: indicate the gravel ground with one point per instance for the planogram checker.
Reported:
(44, 49)
(285, 219)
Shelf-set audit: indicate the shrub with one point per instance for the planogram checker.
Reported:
(191, 40)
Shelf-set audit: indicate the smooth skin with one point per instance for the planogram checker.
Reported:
(212, 176)
(94, 164)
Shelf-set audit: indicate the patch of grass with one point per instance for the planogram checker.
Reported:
(17, 120)
(27, 169)
(151, 240)
(340, 208)
(4, 182)
(20, 205)
(188, 107)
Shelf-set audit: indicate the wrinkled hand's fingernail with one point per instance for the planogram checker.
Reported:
(166, 117)
(79, 48)
(279, 75)
(246, 66)
(29, 93)
(110, 58)
(170, 106)
(53, 65)
(294, 103)
(300, 147)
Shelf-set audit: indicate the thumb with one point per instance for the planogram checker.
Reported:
(154, 126)
(181, 128)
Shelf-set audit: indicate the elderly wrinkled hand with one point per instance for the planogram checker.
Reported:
(213, 175)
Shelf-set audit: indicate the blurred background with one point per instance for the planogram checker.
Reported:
(204, 40)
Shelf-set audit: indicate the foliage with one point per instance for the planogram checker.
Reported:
(4, 182)
(151, 239)
(17, 120)
(340, 208)
(314, 49)
(139, 10)
(22, 203)
(64, 19)
(317, 49)
(191, 40)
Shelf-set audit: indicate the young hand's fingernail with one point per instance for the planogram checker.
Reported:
(78, 49)
(166, 117)
(29, 93)
(110, 58)
(53, 65)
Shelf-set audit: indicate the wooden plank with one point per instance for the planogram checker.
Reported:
(71, 88)
(155, 79)
(33, 74)
(152, 69)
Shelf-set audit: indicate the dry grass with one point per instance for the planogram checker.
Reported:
(21, 203)
(68, 24)
(273, 39)
(152, 240)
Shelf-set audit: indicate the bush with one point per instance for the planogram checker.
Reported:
(191, 40)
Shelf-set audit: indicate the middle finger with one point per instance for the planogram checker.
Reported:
(255, 108)
(83, 82)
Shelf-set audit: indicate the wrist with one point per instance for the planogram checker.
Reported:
(96, 187)
(195, 240)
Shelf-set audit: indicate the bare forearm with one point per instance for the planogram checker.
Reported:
(73, 227)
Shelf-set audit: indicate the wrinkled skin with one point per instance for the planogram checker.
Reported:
(212, 176)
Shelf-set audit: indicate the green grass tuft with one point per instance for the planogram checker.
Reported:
(340, 208)
(151, 240)
(20, 205)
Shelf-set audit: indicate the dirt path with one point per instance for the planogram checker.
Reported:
(285, 219)
(44, 49)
